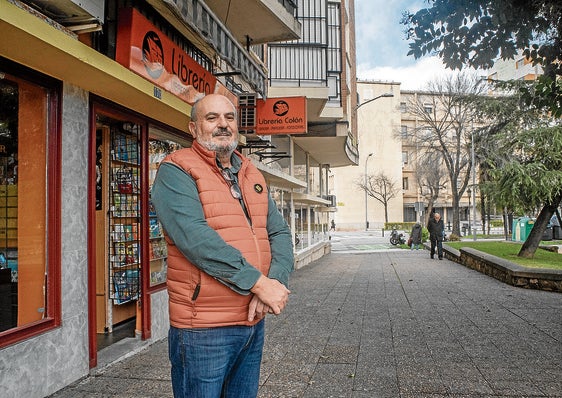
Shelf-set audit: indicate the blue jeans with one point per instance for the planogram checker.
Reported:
(216, 362)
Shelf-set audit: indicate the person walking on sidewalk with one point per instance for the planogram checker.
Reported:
(230, 254)
(416, 236)
(436, 229)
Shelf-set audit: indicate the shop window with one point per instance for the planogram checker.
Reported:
(29, 185)
(159, 146)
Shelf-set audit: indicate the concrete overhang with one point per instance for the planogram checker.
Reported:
(54, 51)
(325, 150)
(278, 178)
(263, 21)
(308, 199)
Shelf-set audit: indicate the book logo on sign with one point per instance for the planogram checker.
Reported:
(280, 108)
(153, 54)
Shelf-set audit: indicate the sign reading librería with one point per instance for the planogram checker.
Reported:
(145, 50)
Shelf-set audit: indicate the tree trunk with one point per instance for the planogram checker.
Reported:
(506, 224)
(456, 216)
(533, 241)
(428, 212)
(484, 214)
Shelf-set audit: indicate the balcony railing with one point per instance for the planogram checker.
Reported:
(200, 18)
(290, 5)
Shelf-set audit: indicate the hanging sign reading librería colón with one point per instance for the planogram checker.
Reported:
(285, 115)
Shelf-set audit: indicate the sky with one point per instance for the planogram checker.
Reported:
(382, 47)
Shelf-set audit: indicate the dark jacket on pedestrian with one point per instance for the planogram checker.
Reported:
(436, 229)
(416, 234)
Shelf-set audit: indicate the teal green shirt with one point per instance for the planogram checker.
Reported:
(179, 209)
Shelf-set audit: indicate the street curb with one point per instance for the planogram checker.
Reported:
(506, 271)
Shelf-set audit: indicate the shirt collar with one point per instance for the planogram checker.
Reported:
(235, 163)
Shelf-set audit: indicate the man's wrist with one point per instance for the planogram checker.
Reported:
(257, 286)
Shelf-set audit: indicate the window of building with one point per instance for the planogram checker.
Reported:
(428, 108)
(29, 203)
(404, 157)
(409, 214)
(403, 107)
(334, 52)
(405, 183)
(404, 131)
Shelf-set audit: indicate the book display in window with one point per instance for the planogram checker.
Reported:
(124, 214)
(158, 252)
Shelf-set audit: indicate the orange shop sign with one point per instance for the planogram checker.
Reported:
(144, 49)
(281, 116)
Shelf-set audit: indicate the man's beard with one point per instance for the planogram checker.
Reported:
(221, 149)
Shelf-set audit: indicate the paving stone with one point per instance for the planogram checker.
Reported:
(385, 324)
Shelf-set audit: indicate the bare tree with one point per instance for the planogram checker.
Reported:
(431, 178)
(381, 188)
(446, 122)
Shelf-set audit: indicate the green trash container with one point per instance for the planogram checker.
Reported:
(522, 228)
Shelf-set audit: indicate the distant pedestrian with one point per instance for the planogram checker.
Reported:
(416, 236)
(436, 229)
(333, 226)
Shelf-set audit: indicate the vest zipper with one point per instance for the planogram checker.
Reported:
(256, 243)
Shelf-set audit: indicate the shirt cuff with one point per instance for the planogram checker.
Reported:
(243, 280)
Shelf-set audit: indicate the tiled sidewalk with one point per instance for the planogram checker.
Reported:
(387, 324)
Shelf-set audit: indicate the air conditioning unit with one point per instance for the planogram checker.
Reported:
(247, 115)
(76, 15)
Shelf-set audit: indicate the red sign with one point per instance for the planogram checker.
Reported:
(281, 116)
(145, 50)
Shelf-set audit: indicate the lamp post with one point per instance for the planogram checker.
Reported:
(366, 196)
(473, 184)
(385, 95)
(469, 191)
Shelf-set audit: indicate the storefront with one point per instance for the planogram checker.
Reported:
(81, 251)
(128, 254)
(81, 137)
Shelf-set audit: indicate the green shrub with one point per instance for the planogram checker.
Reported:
(401, 226)
(425, 234)
(496, 223)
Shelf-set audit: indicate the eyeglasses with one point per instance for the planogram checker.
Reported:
(231, 180)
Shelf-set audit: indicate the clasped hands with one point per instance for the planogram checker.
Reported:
(270, 296)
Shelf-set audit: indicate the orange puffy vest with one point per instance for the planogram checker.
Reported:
(215, 304)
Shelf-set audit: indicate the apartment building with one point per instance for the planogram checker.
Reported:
(519, 68)
(94, 95)
(319, 66)
(386, 132)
